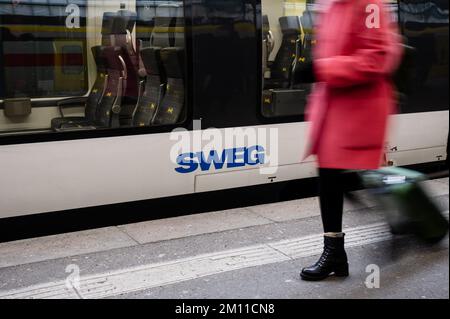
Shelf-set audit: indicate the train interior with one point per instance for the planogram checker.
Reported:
(86, 65)
(421, 81)
(287, 43)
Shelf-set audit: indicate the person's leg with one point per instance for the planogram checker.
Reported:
(331, 193)
(334, 257)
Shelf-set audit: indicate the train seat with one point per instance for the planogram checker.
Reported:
(92, 100)
(172, 104)
(145, 22)
(307, 26)
(160, 36)
(107, 27)
(268, 43)
(130, 20)
(131, 58)
(118, 34)
(151, 90)
(102, 106)
(173, 62)
(304, 54)
(179, 28)
(166, 19)
(281, 69)
(109, 108)
(265, 25)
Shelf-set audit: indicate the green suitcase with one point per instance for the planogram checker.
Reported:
(409, 209)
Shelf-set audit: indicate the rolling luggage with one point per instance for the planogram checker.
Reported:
(409, 209)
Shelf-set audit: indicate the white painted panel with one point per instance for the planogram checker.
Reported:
(57, 176)
(419, 130)
(418, 156)
(221, 181)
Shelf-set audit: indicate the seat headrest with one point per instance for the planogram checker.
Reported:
(116, 24)
(167, 10)
(108, 21)
(265, 21)
(146, 13)
(130, 19)
(151, 58)
(120, 25)
(290, 25)
(161, 32)
(307, 21)
(173, 60)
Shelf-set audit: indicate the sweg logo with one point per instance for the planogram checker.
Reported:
(229, 158)
(207, 149)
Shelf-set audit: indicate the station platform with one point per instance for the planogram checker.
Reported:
(250, 253)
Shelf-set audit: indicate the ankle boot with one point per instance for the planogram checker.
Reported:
(333, 261)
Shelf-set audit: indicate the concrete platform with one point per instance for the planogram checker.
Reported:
(253, 252)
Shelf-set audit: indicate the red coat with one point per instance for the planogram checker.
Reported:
(350, 105)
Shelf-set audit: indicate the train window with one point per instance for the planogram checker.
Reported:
(70, 61)
(425, 25)
(34, 36)
(91, 65)
(287, 40)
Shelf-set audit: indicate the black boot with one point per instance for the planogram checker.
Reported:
(333, 261)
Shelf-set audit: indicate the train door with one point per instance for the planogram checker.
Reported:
(420, 131)
(425, 25)
(229, 83)
(287, 43)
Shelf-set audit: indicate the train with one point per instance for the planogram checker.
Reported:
(106, 102)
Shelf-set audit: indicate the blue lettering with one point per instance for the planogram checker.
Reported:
(232, 158)
(236, 157)
(188, 161)
(213, 158)
(255, 155)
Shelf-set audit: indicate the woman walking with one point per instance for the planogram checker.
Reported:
(356, 53)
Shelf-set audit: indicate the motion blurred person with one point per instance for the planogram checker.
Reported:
(358, 49)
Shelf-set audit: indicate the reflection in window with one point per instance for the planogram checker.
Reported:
(134, 57)
(287, 41)
(34, 35)
(425, 26)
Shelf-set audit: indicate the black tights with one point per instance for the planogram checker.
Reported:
(333, 184)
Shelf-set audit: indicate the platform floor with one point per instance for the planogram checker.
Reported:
(253, 252)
